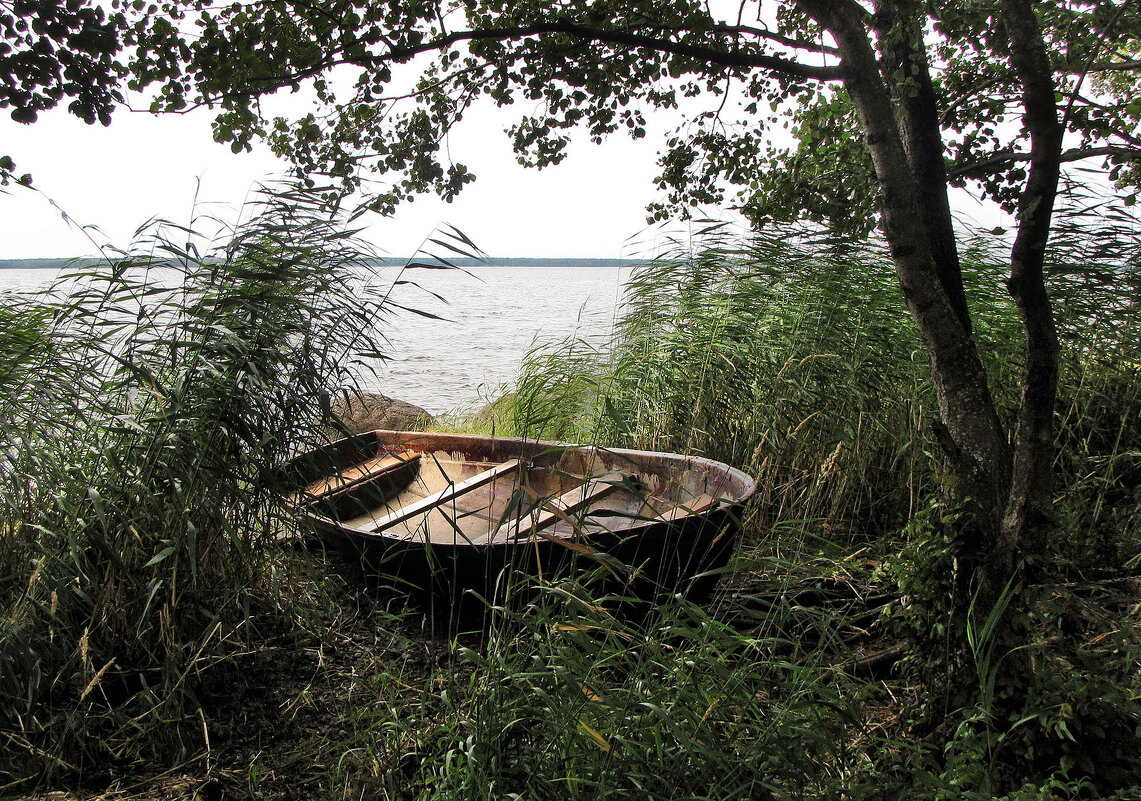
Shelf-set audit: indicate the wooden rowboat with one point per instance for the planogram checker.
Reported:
(449, 512)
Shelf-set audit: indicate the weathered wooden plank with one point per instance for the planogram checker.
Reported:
(444, 496)
(696, 506)
(559, 508)
(354, 475)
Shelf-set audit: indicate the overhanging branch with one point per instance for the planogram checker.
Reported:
(710, 55)
(1114, 66)
(1009, 157)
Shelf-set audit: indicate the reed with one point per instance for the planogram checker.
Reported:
(569, 701)
(791, 354)
(145, 405)
(564, 699)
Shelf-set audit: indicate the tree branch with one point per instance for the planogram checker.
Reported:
(1028, 511)
(965, 403)
(772, 36)
(900, 38)
(715, 57)
(1075, 154)
(710, 55)
(1113, 66)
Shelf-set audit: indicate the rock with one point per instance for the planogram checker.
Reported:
(367, 411)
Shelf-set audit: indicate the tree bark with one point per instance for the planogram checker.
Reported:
(900, 37)
(978, 451)
(1009, 485)
(1029, 509)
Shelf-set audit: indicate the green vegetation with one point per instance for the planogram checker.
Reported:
(146, 404)
(161, 639)
(458, 261)
(958, 486)
(789, 355)
(891, 107)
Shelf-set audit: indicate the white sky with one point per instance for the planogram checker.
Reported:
(141, 167)
(110, 181)
(116, 178)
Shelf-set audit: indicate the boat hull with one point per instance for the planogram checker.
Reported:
(644, 522)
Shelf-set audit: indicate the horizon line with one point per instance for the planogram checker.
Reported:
(466, 261)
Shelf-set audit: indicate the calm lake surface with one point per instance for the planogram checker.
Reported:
(494, 315)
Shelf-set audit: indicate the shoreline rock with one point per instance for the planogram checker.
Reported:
(367, 411)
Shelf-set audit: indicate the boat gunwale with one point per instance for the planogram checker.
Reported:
(734, 479)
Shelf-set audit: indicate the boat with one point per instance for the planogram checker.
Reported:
(448, 513)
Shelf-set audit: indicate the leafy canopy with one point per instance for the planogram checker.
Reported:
(52, 49)
(388, 81)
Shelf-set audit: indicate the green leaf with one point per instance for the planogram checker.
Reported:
(160, 556)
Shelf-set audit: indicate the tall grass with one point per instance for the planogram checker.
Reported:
(563, 699)
(143, 406)
(146, 405)
(793, 356)
(1096, 280)
(570, 702)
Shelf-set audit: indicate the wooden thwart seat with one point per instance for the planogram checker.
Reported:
(444, 496)
(694, 506)
(560, 508)
(354, 475)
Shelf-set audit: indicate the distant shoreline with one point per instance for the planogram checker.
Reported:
(56, 264)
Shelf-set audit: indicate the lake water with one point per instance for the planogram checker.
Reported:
(494, 315)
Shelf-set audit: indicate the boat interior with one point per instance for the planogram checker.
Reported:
(448, 497)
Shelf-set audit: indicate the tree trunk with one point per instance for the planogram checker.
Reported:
(1008, 485)
(899, 33)
(976, 444)
(1029, 509)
